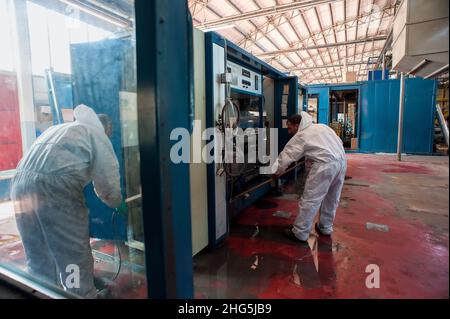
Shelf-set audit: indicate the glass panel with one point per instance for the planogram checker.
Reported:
(6, 56)
(70, 210)
(249, 107)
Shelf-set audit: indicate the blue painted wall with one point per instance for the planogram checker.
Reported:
(379, 116)
(377, 75)
(379, 107)
(324, 102)
(420, 101)
(103, 97)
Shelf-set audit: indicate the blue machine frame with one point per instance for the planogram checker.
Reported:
(237, 55)
(165, 101)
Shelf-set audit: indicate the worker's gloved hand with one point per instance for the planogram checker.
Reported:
(122, 209)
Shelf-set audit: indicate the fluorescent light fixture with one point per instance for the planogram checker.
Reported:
(228, 26)
(96, 13)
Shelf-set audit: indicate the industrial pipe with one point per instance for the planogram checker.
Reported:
(322, 46)
(133, 198)
(437, 72)
(443, 123)
(420, 65)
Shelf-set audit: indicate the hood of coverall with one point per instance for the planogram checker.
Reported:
(85, 115)
(306, 121)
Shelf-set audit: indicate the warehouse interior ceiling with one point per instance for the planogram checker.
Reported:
(316, 40)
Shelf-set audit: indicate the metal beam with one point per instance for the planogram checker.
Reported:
(238, 29)
(368, 27)
(328, 66)
(268, 38)
(306, 74)
(265, 36)
(324, 37)
(329, 79)
(322, 46)
(314, 41)
(345, 28)
(330, 7)
(357, 25)
(294, 29)
(335, 27)
(263, 12)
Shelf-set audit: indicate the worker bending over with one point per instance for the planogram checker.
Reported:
(320, 144)
(47, 191)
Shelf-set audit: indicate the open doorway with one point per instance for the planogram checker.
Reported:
(344, 116)
(313, 107)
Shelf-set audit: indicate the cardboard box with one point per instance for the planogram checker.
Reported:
(337, 128)
(349, 77)
(354, 144)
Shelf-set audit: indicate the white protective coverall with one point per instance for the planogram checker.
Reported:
(319, 144)
(47, 191)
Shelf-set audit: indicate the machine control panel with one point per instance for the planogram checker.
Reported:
(244, 79)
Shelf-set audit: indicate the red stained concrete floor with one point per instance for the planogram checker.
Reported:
(410, 197)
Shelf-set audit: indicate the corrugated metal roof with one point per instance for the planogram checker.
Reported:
(301, 36)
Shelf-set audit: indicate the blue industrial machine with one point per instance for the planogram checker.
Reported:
(377, 116)
(262, 97)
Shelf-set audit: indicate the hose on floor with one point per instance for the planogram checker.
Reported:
(119, 268)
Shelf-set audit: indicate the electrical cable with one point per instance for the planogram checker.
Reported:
(116, 213)
(114, 228)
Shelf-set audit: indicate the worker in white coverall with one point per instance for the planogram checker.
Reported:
(47, 191)
(319, 144)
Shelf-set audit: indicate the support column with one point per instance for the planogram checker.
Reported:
(400, 116)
